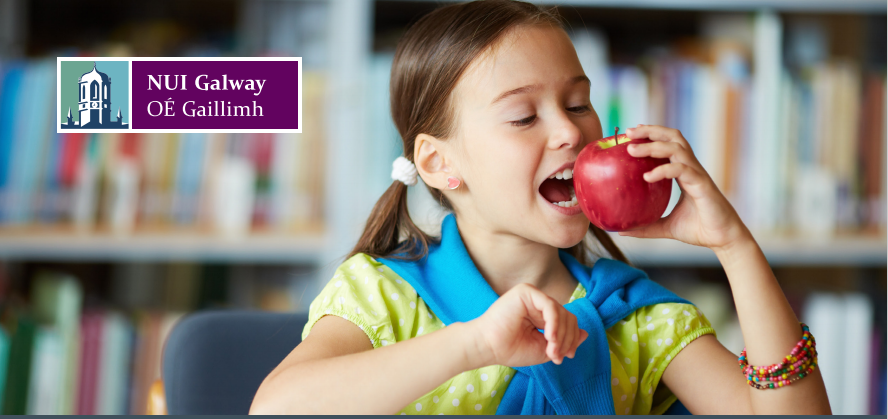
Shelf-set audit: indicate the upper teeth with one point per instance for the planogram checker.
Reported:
(566, 174)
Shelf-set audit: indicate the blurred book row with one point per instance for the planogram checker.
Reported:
(229, 184)
(67, 349)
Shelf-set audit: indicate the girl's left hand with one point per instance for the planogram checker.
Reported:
(702, 216)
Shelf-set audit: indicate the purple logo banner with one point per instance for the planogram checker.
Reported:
(206, 94)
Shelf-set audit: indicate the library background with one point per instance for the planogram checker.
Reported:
(107, 240)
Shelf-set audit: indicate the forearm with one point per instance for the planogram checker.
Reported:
(770, 329)
(378, 381)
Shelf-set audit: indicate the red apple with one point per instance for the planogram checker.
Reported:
(610, 185)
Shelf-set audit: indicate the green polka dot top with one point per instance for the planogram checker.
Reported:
(388, 309)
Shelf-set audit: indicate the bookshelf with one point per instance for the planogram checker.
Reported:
(780, 252)
(307, 249)
(346, 46)
(162, 247)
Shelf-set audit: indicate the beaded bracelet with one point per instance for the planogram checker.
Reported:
(801, 361)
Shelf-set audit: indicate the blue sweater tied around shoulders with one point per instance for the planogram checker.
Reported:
(448, 281)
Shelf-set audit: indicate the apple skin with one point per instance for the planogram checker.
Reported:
(611, 189)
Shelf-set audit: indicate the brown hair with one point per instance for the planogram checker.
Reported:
(428, 62)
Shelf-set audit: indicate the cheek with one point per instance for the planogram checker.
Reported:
(507, 170)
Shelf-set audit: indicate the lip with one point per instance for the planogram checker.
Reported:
(574, 210)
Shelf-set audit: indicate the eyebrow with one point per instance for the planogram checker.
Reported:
(531, 87)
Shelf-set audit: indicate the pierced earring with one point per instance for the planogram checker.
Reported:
(452, 182)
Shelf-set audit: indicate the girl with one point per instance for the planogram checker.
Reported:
(493, 107)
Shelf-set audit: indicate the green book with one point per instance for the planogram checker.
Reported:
(5, 342)
(15, 395)
(58, 299)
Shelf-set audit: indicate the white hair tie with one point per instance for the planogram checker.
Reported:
(404, 170)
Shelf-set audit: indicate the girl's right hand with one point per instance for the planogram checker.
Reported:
(506, 334)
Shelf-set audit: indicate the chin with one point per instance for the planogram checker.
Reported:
(571, 235)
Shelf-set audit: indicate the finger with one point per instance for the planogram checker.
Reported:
(580, 338)
(541, 344)
(663, 150)
(658, 133)
(566, 333)
(657, 229)
(572, 336)
(535, 309)
(550, 316)
(684, 173)
(564, 327)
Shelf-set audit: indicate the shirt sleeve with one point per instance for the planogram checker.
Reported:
(373, 297)
(663, 331)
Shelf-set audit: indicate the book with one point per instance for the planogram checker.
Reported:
(57, 299)
(825, 315)
(5, 343)
(47, 372)
(15, 396)
(10, 92)
(858, 330)
(115, 364)
(145, 358)
(91, 326)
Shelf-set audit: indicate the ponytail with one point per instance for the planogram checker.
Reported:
(388, 221)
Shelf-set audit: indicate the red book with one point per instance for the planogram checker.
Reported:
(90, 348)
(261, 153)
(72, 151)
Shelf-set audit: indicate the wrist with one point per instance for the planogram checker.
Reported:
(739, 247)
(476, 352)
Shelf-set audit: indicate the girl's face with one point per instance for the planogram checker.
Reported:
(522, 114)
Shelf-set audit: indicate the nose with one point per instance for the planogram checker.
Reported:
(565, 133)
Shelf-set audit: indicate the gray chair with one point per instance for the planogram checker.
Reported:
(215, 360)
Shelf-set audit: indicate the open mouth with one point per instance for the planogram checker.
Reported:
(559, 189)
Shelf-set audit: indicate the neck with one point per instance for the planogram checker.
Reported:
(506, 260)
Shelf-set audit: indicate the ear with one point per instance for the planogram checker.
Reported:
(432, 164)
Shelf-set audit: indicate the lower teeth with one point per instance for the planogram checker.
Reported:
(571, 203)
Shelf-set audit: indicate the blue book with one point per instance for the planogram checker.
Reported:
(31, 138)
(189, 171)
(50, 207)
(9, 94)
(687, 112)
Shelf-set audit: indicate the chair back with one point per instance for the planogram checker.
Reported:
(214, 361)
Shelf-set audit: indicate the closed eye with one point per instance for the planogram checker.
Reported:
(580, 109)
(524, 121)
